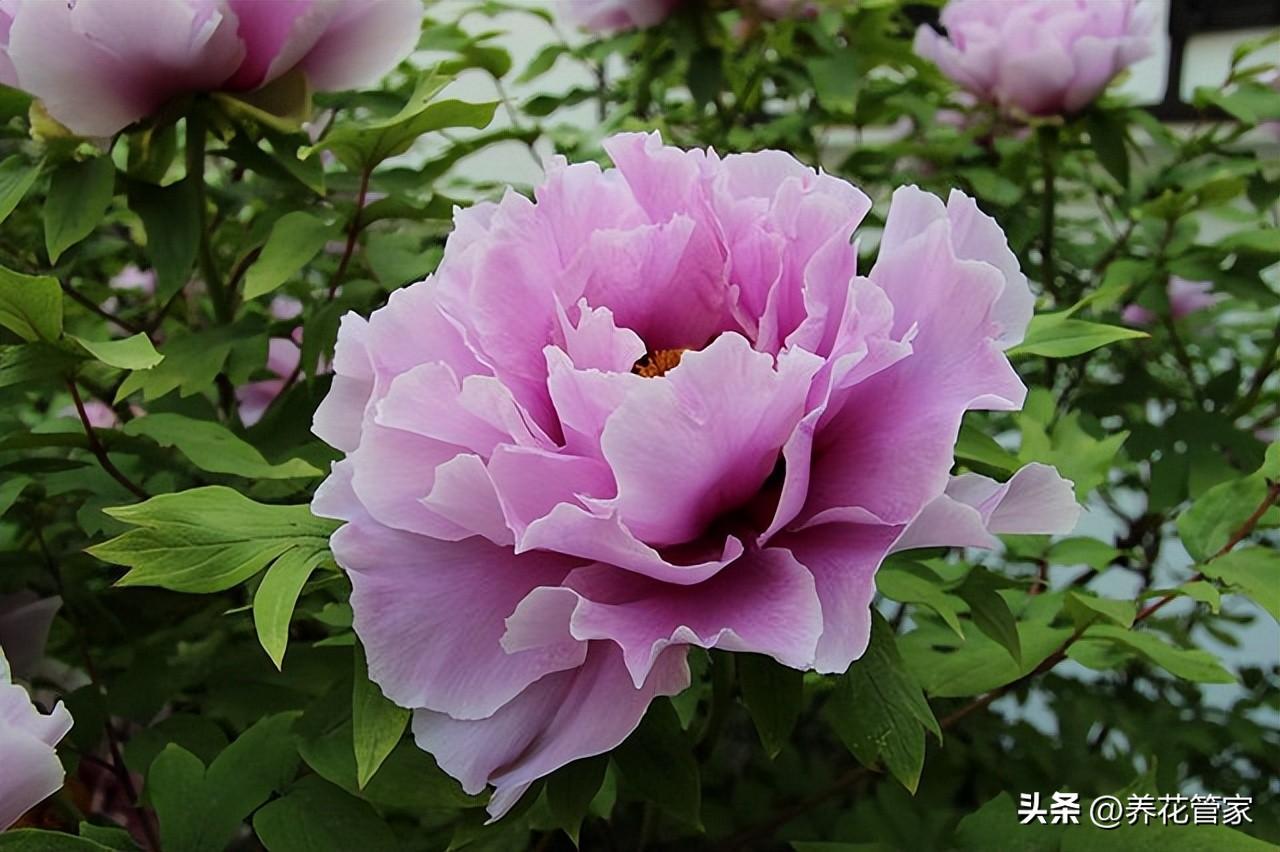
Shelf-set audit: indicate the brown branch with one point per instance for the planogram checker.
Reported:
(353, 232)
(99, 451)
(89, 305)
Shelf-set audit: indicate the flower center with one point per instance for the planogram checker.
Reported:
(656, 363)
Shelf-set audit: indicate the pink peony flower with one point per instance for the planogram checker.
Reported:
(1038, 57)
(607, 16)
(658, 407)
(1185, 297)
(780, 9)
(100, 65)
(99, 414)
(31, 770)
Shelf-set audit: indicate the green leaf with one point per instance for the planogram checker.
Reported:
(110, 836)
(1157, 837)
(980, 451)
(1058, 336)
(989, 611)
(377, 723)
(949, 669)
(879, 712)
(30, 305)
(206, 539)
(1190, 664)
(1262, 241)
(542, 62)
(10, 490)
(16, 177)
(277, 595)
(314, 816)
(295, 239)
(193, 360)
(79, 194)
(1219, 513)
(213, 447)
(999, 818)
(570, 791)
(1085, 609)
(171, 217)
(361, 146)
(773, 694)
(1253, 572)
(910, 582)
(657, 763)
(1106, 133)
(34, 362)
(1082, 551)
(261, 761)
(407, 780)
(35, 840)
(130, 353)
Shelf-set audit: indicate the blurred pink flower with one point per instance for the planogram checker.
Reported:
(254, 398)
(1185, 297)
(1038, 57)
(606, 16)
(99, 414)
(100, 65)
(658, 407)
(29, 767)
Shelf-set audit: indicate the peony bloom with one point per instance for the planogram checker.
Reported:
(283, 356)
(1185, 297)
(656, 407)
(30, 768)
(1038, 57)
(608, 16)
(100, 65)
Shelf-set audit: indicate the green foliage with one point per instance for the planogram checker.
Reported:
(1068, 663)
(206, 539)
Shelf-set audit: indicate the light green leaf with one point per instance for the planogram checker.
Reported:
(879, 712)
(79, 194)
(361, 146)
(30, 305)
(16, 177)
(1057, 336)
(979, 664)
(206, 539)
(277, 595)
(999, 818)
(1085, 608)
(1187, 663)
(295, 239)
(989, 611)
(909, 582)
(772, 693)
(377, 723)
(1253, 572)
(1082, 551)
(980, 451)
(1219, 513)
(130, 353)
(213, 447)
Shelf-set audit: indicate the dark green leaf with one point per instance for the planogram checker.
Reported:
(213, 447)
(570, 792)
(657, 763)
(171, 216)
(16, 177)
(30, 305)
(317, 817)
(772, 693)
(879, 711)
(79, 194)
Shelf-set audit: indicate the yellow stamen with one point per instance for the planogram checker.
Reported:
(657, 363)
